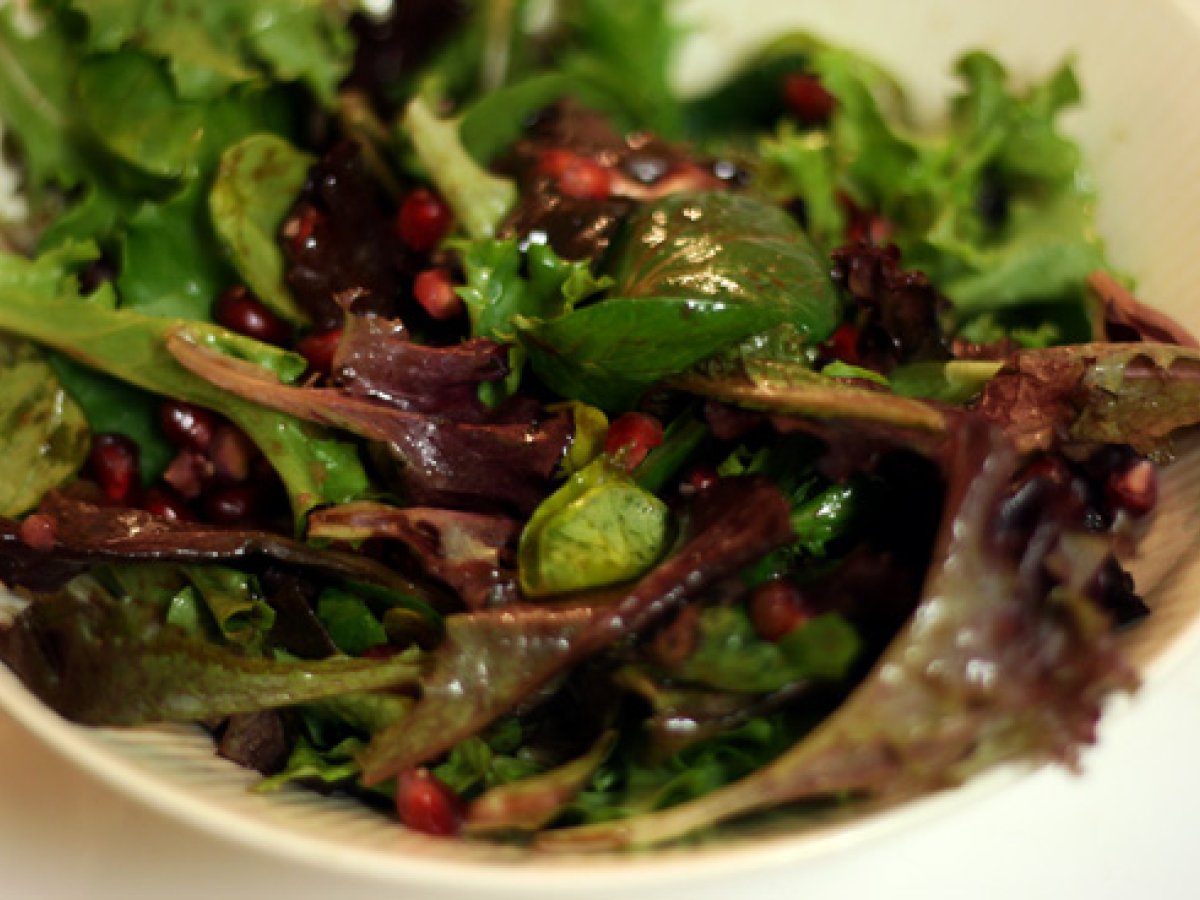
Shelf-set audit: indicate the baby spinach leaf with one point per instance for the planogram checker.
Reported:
(113, 406)
(694, 274)
(171, 264)
(257, 182)
(43, 433)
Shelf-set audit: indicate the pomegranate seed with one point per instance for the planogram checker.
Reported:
(39, 532)
(186, 425)
(319, 350)
(239, 310)
(843, 344)
(424, 803)
(808, 99)
(776, 608)
(584, 179)
(631, 436)
(167, 504)
(1135, 490)
(702, 478)
(113, 463)
(553, 163)
(188, 473)
(423, 220)
(232, 504)
(435, 292)
(231, 454)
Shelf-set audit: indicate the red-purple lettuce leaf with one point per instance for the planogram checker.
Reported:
(86, 535)
(99, 661)
(468, 551)
(495, 659)
(989, 666)
(440, 462)
(376, 358)
(1089, 394)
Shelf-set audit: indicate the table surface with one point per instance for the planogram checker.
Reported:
(1125, 827)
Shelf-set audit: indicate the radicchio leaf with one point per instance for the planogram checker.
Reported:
(990, 665)
(471, 552)
(494, 659)
(86, 535)
(1089, 394)
(376, 358)
(442, 463)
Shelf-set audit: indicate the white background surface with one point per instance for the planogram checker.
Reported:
(1126, 828)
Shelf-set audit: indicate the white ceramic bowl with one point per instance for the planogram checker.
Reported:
(1141, 131)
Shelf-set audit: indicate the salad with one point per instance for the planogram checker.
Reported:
(439, 409)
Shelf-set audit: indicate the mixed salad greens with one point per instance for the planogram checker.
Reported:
(441, 409)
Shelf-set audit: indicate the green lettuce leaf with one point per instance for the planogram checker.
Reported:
(256, 184)
(44, 436)
(116, 663)
(127, 345)
(213, 45)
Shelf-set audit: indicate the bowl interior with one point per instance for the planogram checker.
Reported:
(1141, 133)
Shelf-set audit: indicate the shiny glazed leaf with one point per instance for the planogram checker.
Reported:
(116, 664)
(599, 528)
(694, 274)
(133, 348)
(257, 182)
(43, 434)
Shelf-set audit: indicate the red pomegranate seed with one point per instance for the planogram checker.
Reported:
(39, 532)
(585, 179)
(1134, 490)
(188, 473)
(553, 163)
(231, 454)
(319, 350)
(423, 220)
(113, 462)
(167, 504)
(435, 292)
(232, 504)
(808, 99)
(843, 344)
(777, 608)
(701, 478)
(239, 310)
(631, 436)
(424, 803)
(186, 425)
